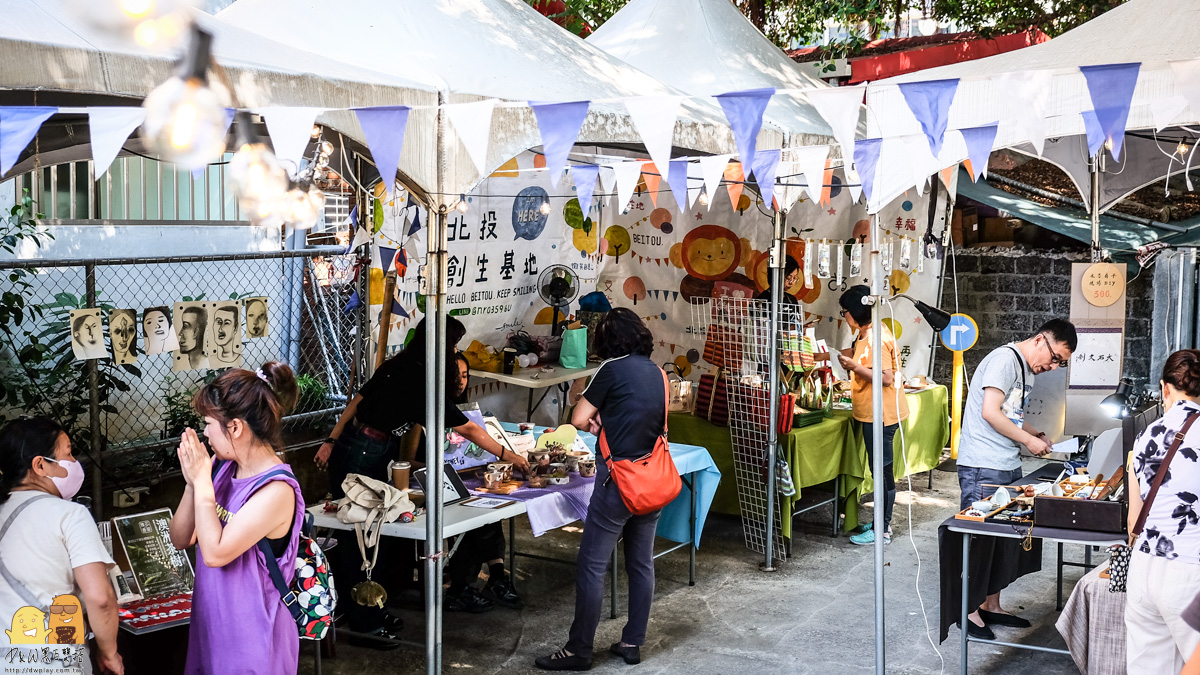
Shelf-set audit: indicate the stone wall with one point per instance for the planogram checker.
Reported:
(1010, 292)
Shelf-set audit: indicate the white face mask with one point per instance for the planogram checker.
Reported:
(68, 486)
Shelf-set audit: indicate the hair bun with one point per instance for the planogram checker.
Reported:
(282, 380)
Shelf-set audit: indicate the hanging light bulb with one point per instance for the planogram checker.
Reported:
(462, 204)
(316, 131)
(255, 176)
(703, 197)
(299, 209)
(185, 123)
(545, 208)
(1182, 149)
(326, 148)
(126, 17)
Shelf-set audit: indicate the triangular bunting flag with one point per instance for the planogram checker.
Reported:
(735, 180)
(947, 174)
(361, 236)
(695, 182)
(386, 256)
(672, 349)
(1111, 88)
(677, 179)
(473, 124)
(853, 184)
(1095, 134)
(1029, 93)
(584, 176)
(653, 177)
(979, 142)
(559, 124)
(416, 223)
(18, 126)
(744, 110)
(352, 304)
(841, 108)
(1167, 110)
(384, 129)
(398, 309)
(930, 102)
(654, 118)
(290, 130)
(811, 162)
(675, 295)
(608, 181)
(1187, 82)
(866, 157)
(713, 169)
(765, 165)
(109, 128)
(626, 174)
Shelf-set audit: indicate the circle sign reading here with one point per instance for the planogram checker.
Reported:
(961, 334)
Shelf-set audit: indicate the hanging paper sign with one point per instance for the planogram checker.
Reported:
(823, 260)
(1103, 284)
(906, 254)
(841, 267)
(920, 264)
(886, 254)
(808, 263)
(856, 259)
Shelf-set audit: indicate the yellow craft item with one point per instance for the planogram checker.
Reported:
(376, 279)
(564, 435)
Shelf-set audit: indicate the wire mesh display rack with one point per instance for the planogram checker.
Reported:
(737, 333)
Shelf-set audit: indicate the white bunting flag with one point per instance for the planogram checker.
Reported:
(853, 183)
(1187, 82)
(712, 170)
(1167, 110)
(654, 117)
(841, 108)
(290, 130)
(608, 181)
(109, 129)
(810, 161)
(473, 124)
(1028, 93)
(628, 174)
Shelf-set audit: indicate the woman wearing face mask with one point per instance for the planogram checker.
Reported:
(50, 546)
(239, 622)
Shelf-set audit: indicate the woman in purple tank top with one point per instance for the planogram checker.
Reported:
(239, 622)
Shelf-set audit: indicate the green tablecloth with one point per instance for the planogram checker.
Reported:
(834, 447)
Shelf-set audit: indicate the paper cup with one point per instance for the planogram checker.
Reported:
(400, 474)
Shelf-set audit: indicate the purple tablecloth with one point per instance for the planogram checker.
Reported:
(553, 506)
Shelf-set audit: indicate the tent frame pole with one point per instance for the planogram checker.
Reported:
(435, 403)
(776, 274)
(1097, 167)
(878, 290)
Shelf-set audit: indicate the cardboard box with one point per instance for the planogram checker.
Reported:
(999, 229)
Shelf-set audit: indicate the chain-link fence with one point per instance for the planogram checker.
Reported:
(299, 307)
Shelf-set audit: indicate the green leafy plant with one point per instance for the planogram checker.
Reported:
(313, 394)
(178, 413)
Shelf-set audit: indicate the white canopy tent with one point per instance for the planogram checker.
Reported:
(48, 50)
(707, 47)
(480, 49)
(1041, 87)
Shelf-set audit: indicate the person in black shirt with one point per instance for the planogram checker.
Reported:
(365, 439)
(791, 275)
(625, 395)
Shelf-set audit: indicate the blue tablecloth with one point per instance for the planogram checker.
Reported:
(705, 476)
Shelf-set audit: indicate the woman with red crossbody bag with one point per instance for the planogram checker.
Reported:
(625, 405)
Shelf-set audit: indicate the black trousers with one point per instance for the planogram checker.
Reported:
(476, 548)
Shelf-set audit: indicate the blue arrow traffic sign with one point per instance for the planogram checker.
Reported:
(961, 334)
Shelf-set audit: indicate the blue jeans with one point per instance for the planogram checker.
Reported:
(888, 474)
(971, 480)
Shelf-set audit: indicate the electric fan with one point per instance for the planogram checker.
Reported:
(558, 287)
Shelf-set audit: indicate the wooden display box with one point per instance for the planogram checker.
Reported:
(962, 515)
(1080, 514)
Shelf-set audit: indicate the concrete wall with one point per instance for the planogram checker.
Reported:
(1011, 292)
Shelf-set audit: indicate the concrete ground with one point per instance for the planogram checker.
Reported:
(814, 615)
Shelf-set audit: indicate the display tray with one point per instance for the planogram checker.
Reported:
(154, 614)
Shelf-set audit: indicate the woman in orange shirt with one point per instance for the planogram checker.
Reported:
(857, 361)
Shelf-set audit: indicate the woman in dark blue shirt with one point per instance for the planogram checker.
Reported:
(625, 396)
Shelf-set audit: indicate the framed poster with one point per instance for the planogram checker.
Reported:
(1096, 364)
(142, 544)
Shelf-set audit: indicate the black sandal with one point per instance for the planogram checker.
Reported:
(561, 660)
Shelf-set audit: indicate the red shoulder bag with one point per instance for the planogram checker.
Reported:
(651, 481)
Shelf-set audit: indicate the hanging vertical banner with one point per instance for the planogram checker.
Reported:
(979, 142)
(585, 176)
(18, 126)
(473, 124)
(654, 119)
(1111, 88)
(677, 179)
(841, 108)
(109, 128)
(384, 130)
(930, 104)
(290, 130)
(744, 110)
(559, 124)
(766, 162)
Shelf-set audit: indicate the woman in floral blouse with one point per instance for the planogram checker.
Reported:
(1164, 571)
